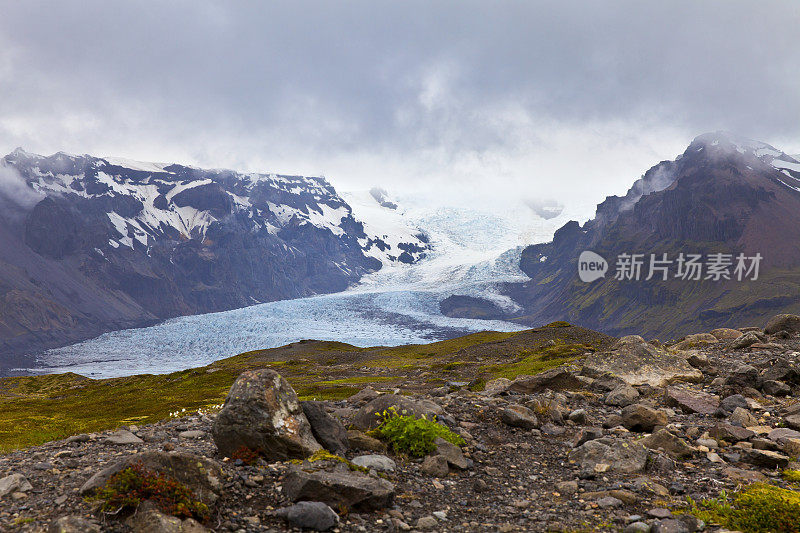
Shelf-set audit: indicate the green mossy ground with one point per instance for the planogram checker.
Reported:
(37, 409)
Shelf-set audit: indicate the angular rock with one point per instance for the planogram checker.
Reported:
(743, 376)
(72, 524)
(742, 417)
(557, 379)
(619, 456)
(745, 477)
(730, 403)
(696, 340)
(149, 519)
(203, 476)
(783, 433)
(638, 363)
(793, 421)
(316, 516)
(452, 453)
(352, 490)
(730, 433)
(726, 334)
(639, 417)
(435, 466)
(379, 463)
(496, 386)
(361, 441)
(262, 413)
(665, 440)
(516, 415)
(691, 402)
(697, 359)
(781, 369)
(328, 431)
(745, 341)
(765, 458)
(622, 396)
(784, 322)
(775, 388)
(123, 437)
(367, 394)
(14, 483)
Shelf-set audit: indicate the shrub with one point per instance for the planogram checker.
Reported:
(413, 436)
(758, 508)
(558, 324)
(792, 476)
(245, 455)
(127, 489)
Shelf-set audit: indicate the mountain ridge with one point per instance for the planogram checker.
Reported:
(723, 194)
(95, 244)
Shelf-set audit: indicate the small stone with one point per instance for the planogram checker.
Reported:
(427, 522)
(609, 502)
(659, 512)
(310, 515)
(123, 437)
(435, 465)
(516, 415)
(567, 488)
(192, 434)
(639, 417)
(622, 396)
(637, 527)
(72, 524)
(578, 416)
(379, 463)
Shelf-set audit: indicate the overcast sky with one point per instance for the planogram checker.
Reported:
(467, 102)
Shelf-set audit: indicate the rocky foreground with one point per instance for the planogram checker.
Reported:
(615, 441)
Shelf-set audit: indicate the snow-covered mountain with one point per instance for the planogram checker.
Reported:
(97, 243)
(724, 195)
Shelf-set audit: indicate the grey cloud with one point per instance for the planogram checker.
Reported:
(440, 85)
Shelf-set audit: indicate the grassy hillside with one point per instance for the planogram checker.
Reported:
(36, 409)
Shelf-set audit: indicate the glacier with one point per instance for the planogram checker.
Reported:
(472, 251)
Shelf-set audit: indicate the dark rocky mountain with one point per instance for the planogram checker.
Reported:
(95, 244)
(722, 195)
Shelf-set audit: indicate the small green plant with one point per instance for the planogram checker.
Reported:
(792, 476)
(415, 437)
(760, 508)
(127, 489)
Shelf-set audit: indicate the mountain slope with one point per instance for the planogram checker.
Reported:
(93, 244)
(722, 195)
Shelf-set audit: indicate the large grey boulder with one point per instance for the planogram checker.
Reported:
(342, 488)
(203, 476)
(785, 322)
(638, 362)
(610, 454)
(328, 431)
(262, 413)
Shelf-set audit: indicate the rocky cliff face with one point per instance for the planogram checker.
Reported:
(722, 195)
(92, 244)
